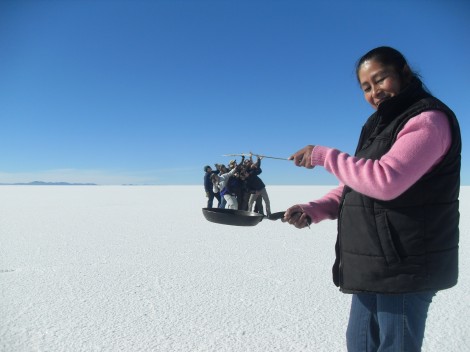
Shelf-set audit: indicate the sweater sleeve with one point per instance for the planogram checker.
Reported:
(324, 208)
(420, 145)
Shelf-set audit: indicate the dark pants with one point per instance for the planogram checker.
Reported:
(210, 200)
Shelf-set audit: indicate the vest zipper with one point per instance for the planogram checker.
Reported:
(340, 265)
(340, 215)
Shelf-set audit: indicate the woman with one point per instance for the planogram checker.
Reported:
(396, 205)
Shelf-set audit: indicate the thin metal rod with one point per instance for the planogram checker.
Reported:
(257, 155)
(272, 157)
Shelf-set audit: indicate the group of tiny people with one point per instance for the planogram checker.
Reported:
(237, 186)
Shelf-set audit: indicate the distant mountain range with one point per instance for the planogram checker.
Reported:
(42, 183)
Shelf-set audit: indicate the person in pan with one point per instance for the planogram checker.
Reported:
(210, 194)
(397, 206)
(222, 170)
(221, 182)
(258, 205)
(232, 191)
(257, 187)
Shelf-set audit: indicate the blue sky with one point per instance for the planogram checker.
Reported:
(148, 92)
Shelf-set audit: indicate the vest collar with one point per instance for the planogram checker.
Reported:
(394, 106)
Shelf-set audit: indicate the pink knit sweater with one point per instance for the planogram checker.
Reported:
(420, 145)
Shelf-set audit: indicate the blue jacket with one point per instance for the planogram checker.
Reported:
(208, 182)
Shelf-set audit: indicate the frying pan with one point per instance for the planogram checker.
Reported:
(237, 217)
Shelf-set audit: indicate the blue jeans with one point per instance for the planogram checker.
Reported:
(222, 202)
(388, 323)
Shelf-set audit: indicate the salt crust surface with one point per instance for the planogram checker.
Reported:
(122, 268)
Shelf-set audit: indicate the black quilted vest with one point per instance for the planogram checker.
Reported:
(410, 243)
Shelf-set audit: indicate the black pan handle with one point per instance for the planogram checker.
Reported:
(280, 215)
(276, 216)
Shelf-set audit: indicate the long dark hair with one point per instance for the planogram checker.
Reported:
(388, 56)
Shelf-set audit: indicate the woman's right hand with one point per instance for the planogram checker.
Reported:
(303, 157)
(295, 216)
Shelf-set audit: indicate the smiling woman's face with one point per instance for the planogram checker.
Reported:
(378, 82)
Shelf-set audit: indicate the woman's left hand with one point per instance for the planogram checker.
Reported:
(303, 157)
(295, 216)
